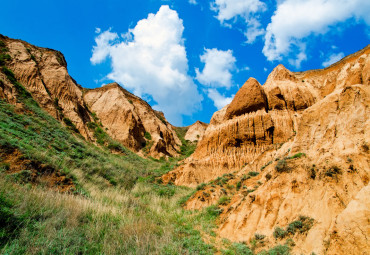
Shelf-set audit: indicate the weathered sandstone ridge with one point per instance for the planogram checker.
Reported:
(128, 118)
(301, 151)
(125, 117)
(196, 131)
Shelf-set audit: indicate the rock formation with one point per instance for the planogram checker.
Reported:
(292, 166)
(125, 117)
(196, 131)
(132, 121)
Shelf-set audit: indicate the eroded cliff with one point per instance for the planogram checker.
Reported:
(288, 162)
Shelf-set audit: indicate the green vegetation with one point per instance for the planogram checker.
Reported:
(267, 164)
(302, 225)
(187, 148)
(224, 200)
(148, 136)
(298, 155)
(114, 206)
(282, 166)
(279, 233)
(201, 186)
(252, 174)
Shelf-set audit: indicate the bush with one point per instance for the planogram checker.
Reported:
(259, 236)
(238, 185)
(332, 171)
(224, 200)
(294, 226)
(214, 210)
(279, 233)
(201, 186)
(282, 166)
(253, 173)
(148, 136)
(268, 176)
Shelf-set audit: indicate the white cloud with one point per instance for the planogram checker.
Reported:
(153, 63)
(97, 30)
(216, 71)
(103, 46)
(247, 10)
(294, 20)
(332, 59)
(193, 2)
(219, 100)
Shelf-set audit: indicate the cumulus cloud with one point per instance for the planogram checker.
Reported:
(151, 60)
(217, 68)
(194, 2)
(247, 10)
(294, 20)
(219, 100)
(335, 57)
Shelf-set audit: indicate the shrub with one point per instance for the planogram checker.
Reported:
(294, 226)
(224, 200)
(253, 173)
(282, 166)
(268, 176)
(238, 185)
(214, 210)
(332, 171)
(298, 155)
(4, 58)
(148, 136)
(259, 236)
(201, 186)
(279, 233)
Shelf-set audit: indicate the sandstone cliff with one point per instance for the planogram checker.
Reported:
(288, 162)
(132, 121)
(196, 131)
(126, 118)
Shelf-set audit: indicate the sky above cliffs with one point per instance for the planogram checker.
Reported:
(188, 58)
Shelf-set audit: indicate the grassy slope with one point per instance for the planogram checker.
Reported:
(116, 208)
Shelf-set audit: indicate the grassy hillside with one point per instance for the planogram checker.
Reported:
(62, 195)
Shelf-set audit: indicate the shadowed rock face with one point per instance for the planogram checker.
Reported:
(321, 113)
(43, 72)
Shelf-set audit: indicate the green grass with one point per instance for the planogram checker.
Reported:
(117, 208)
(122, 199)
(187, 148)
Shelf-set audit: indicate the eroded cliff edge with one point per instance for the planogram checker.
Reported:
(125, 117)
(290, 160)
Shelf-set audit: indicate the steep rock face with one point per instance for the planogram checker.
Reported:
(128, 119)
(196, 131)
(237, 136)
(250, 98)
(43, 72)
(125, 117)
(312, 168)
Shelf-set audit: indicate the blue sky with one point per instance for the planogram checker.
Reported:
(189, 57)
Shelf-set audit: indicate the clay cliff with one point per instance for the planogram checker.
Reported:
(288, 162)
(126, 118)
(131, 121)
(196, 131)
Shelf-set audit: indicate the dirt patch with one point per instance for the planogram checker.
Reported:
(22, 170)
